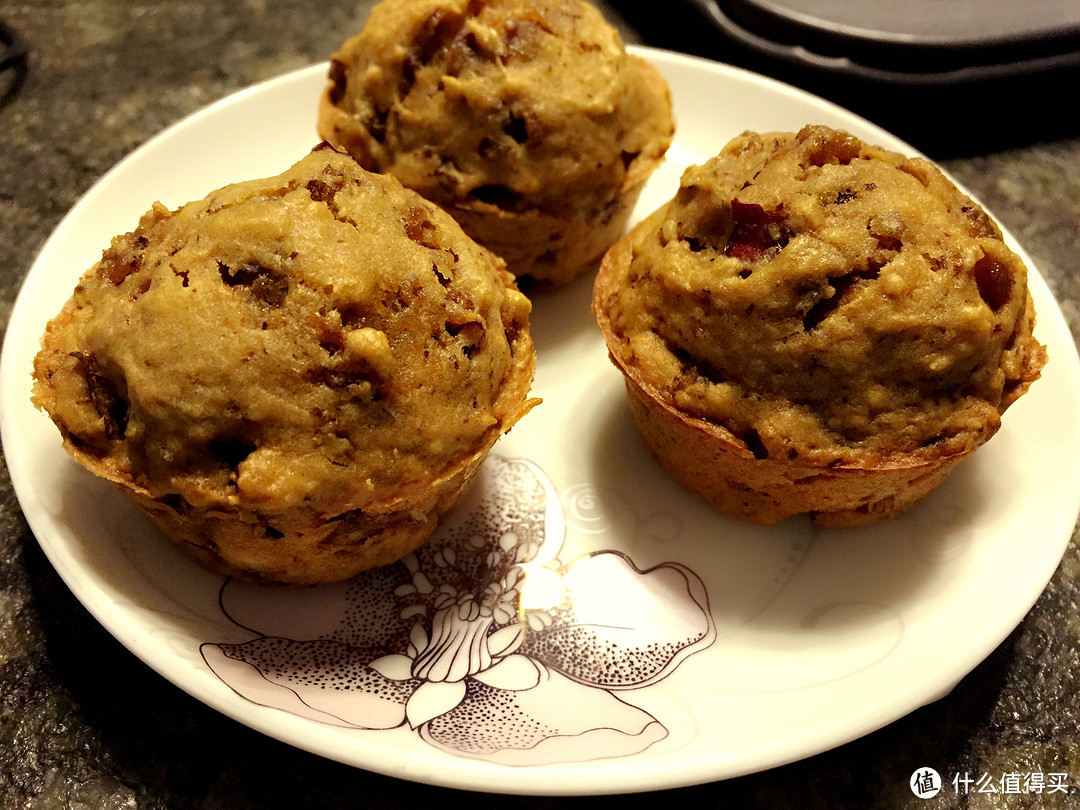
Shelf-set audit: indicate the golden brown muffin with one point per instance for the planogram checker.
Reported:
(295, 377)
(527, 120)
(814, 324)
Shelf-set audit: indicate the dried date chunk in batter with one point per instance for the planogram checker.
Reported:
(827, 325)
(295, 377)
(526, 119)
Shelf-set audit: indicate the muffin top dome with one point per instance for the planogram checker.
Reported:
(324, 337)
(512, 103)
(824, 299)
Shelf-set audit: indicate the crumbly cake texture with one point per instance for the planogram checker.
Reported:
(295, 377)
(527, 120)
(826, 326)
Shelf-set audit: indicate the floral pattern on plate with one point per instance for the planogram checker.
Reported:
(483, 642)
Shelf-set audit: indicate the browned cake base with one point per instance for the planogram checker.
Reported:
(302, 546)
(713, 464)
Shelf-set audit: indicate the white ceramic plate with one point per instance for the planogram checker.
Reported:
(667, 645)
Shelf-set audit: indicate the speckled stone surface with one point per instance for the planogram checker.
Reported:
(84, 724)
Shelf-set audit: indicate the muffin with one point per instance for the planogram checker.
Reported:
(295, 378)
(527, 120)
(816, 325)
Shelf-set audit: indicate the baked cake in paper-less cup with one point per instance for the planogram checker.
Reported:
(296, 377)
(814, 324)
(527, 120)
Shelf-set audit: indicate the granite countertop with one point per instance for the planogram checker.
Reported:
(85, 724)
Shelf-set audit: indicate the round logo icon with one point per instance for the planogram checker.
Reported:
(925, 783)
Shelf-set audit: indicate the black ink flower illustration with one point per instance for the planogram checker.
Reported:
(483, 642)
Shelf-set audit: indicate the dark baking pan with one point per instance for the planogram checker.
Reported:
(951, 76)
(909, 42)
